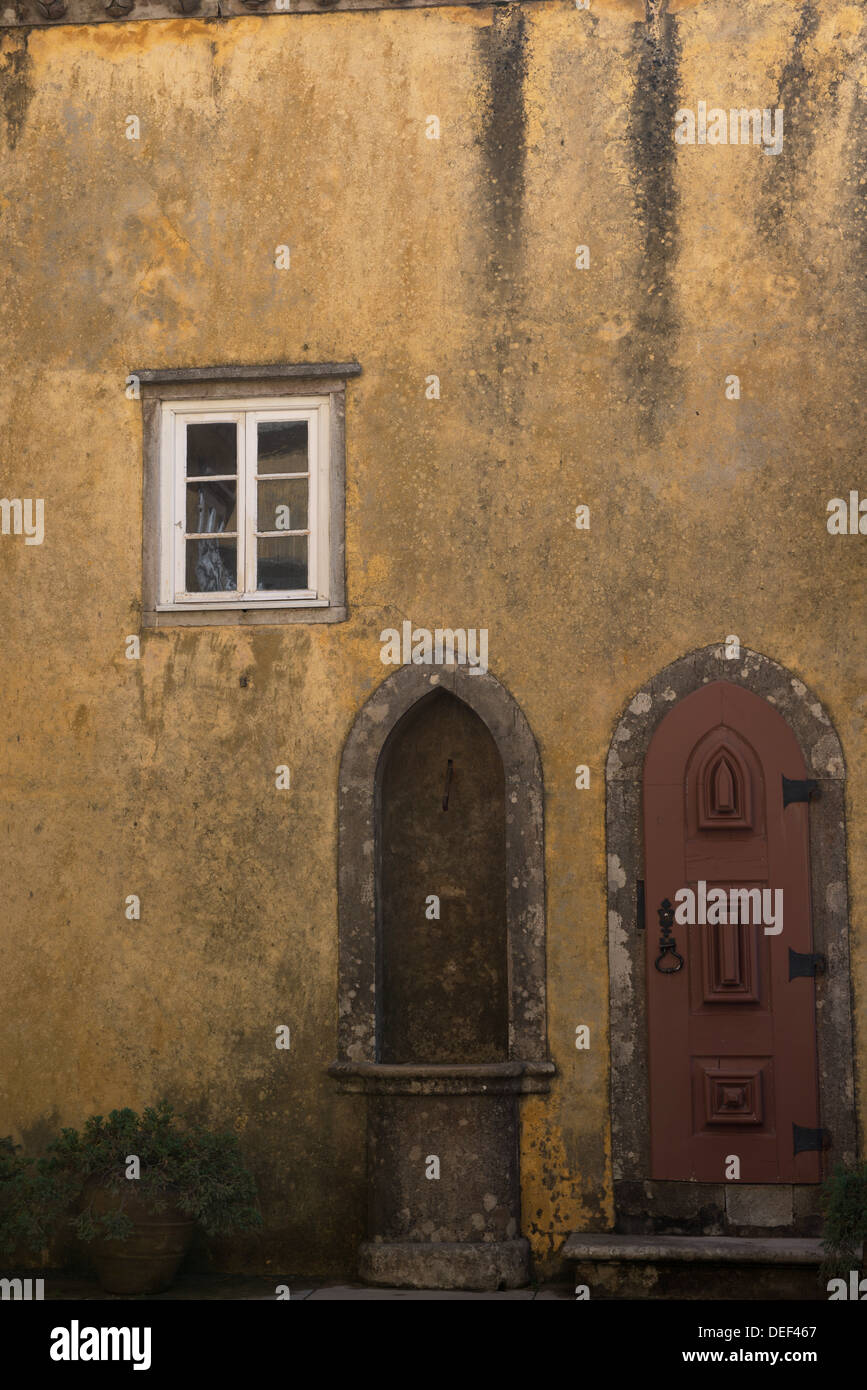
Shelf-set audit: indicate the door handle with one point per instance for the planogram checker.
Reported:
(667, 943)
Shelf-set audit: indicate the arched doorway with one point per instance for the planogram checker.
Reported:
(731, 1017)
(754, 723)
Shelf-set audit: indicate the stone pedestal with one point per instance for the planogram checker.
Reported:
(460, 1229)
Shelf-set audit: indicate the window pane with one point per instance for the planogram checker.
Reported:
(282, 505)
(282, 446)
(282, 563)
(211, 507)
(212, 449)
(212, 566)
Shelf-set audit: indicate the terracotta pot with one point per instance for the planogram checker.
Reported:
(148, 1260)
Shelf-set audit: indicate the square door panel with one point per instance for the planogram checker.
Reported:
(730, 1093)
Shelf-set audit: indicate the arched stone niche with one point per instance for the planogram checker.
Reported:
(358, 808)
(443, 968)
(640, 1204)
(457, 1227)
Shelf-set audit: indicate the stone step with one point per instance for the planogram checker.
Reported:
(710, 1249)
(696, 1267)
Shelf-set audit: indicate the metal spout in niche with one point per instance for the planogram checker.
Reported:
(449, 771)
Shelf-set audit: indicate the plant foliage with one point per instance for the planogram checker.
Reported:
(32, 1201)
(844, 1205)
(181, 1164)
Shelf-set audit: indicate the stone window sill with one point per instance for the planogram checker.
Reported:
(242, 617)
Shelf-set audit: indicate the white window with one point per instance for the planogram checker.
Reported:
(245, 503)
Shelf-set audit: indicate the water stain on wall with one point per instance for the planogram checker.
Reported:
(652, 378)
(16, 90)
(503, 50)
(797, 96)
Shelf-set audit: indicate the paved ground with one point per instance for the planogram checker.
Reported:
(231, 1287)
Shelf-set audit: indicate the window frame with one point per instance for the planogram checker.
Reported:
(316, 390)
(246, 413)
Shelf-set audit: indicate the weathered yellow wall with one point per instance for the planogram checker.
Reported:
(559, 387)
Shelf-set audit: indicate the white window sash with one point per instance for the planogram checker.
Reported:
(182, 420)
(254, 419)
(246, 415)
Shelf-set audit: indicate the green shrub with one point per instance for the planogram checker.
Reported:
(184, 1164)
(844, 1205)
(32, 1202)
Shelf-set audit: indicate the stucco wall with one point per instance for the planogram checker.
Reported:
(560, 387)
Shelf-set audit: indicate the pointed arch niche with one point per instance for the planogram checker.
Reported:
(361, 777)
(726, 794)
(725, 783)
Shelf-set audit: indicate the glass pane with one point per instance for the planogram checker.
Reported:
(212, 449)
(282, 446)
(212, 566)
(282, 563)
(282, 505)
(211, 507)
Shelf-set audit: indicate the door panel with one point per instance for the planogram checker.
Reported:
(732, 1041)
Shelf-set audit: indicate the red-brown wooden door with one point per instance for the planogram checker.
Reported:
(732, 1038)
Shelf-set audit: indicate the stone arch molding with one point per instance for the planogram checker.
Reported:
(359, 787)
(823, 755)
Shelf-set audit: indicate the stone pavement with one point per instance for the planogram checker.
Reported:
(234, 1287)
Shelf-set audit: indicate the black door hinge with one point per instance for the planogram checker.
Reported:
(639, 903)
(809, 1140)
(794, 790)
(806, 963)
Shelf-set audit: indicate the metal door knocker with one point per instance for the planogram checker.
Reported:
(667, 943)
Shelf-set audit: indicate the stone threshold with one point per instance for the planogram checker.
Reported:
(764, 1250)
